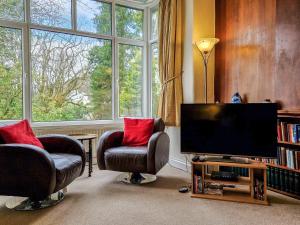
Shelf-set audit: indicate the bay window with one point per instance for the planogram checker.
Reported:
(77, 60)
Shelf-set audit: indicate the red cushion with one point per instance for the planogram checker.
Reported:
(19, 133)
(137, 132)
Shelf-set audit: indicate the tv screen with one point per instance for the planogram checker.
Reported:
(229, 129)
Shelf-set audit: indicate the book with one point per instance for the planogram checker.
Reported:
(287, 181)
(298, 159)
(294, 137)
(213, 188)
(291, 182)
(195, 184)
(199, 185)
(297, 183)
(279, 133)
(268, 177)
(281, 180)
(272, 177)
(276, 178)
(298, 133)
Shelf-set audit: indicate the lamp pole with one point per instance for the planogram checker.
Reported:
(205, 55)
(205, 47)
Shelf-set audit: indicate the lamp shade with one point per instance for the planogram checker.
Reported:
(205, 45)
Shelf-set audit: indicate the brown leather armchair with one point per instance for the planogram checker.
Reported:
(139, 161)
(29, 171)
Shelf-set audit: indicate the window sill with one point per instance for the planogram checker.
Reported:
(65, 124)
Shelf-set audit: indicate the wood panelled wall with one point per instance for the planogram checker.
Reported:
(259, 51)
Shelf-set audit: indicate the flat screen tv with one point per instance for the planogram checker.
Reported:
(248, 130)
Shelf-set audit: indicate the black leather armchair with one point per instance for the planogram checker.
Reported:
(111, 155)
(29, 171)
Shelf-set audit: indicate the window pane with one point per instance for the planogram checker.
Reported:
(93, 16)
(12, 10)
(130, 83)
(154, 23)
(156, 86)
(129, 22)
(72, 77)
(11, 90)
(54, 13)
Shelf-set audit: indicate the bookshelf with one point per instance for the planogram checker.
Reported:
(283, 177)
(247, 189)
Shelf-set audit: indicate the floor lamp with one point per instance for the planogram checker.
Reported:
(205, 46)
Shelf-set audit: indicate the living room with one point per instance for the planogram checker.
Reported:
(123, 111)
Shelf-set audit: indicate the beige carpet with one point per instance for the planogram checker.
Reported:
(101, 200)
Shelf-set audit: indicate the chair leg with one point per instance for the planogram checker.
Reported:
(136, 178)
(27, 204)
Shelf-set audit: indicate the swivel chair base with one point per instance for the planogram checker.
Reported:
(27, 204)
(136, 178)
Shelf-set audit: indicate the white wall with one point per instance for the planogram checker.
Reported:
(199, 22)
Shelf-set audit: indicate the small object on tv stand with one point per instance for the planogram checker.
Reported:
(227, 159)
(223, 175)
(195, 158)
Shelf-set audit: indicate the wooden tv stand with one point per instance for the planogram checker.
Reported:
(251, 189)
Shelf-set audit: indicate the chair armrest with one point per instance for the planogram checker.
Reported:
(57, 143)
(158, 152)
(109, 139)
(26, 170)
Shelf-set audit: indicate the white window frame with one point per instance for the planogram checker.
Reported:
(151, 42)
(26, 26)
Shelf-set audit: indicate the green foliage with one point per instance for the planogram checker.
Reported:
(103, 20)
(72, 77)
(129, 22)
(101, 80)
(130, 84)
(12, 9)
(11, 92)
(10, 74)
(129, 25)
(156, 86)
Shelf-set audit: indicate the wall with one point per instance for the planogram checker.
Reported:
(258, 55)
(199, 22)
(204, 26)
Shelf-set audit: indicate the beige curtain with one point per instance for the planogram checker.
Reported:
(170, 60)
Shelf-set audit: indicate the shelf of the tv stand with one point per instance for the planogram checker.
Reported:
(232, 197)
(240, 181)
(237, 193)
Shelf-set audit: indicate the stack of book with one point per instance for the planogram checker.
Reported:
(288, 132)
(289, 157)
(283, 180)
(259, 189)
(198, 187)
(213, 188)
(286, 157)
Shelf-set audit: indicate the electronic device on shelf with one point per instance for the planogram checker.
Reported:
(245, 130)
(223, 175)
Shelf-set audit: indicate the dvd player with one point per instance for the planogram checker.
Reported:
(223, 175)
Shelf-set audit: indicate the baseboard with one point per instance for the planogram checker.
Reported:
(180, 164)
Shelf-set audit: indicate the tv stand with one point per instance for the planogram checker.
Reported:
(227, 159)
(249, 189)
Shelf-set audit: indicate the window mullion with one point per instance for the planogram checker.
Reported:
(74, 15)
(27, 85)
(146, 87)
(115, 91)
